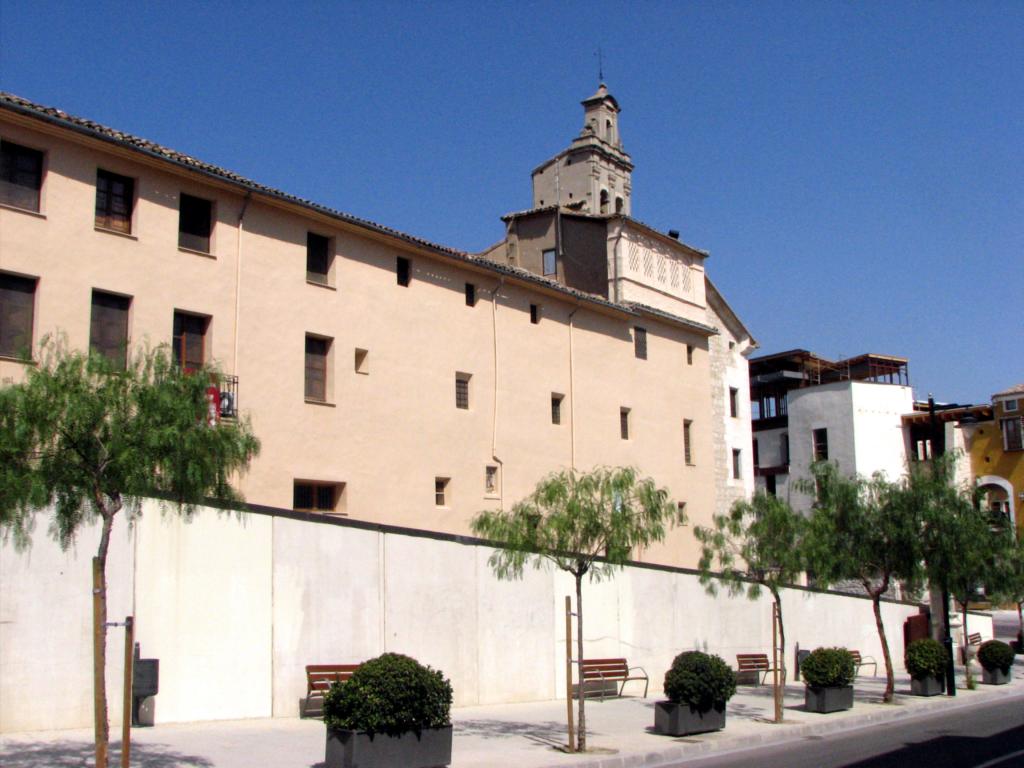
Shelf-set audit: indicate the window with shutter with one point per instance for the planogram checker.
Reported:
(189, 341)
(195, 223)
(21, 176)
(108, 328)
(115, 200)
(316, 368)
(17, 308)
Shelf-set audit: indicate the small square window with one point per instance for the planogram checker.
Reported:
(550, 263)
(689, 354)
(115, 201)
(491, 480)
(108, 327)
(470, 295)
(1011, 406)
(403, 270)
(362, 361)
(441, 491)
(640, 343)
(195, 223)
(21, 176)
(534, 313)
(319, 256)
(736, 467)
(624, 423)
(556, 408)
(732, 345)
(462, 390)
(317, 369)
(317, 496)
(681, 510)
(17, 311)
(734, 408)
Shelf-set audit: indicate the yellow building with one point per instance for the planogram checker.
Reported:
(997, 454)
(392, 381)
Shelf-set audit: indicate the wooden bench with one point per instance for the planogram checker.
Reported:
(863, 661)
(320, 678)
(754, 664)
(610, 671)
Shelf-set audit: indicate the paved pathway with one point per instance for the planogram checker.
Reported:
(519, 735)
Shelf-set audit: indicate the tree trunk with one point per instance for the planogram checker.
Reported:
(581, 727)
(890, 677)
(99, 634)
(782, 645)
(968, 680)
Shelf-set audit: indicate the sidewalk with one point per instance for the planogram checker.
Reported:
(520, 735)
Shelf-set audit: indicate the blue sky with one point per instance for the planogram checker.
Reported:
(855, 169)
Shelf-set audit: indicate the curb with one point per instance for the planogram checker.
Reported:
(663, 758)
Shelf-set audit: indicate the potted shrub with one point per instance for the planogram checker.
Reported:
(925, 660)
(828, 674)
(393, 711)
(697, 685)
(996, 658)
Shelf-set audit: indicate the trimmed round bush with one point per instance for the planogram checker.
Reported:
(701, 680)
(995, 654)
(390, 694)
(828, 668)
(925, 658)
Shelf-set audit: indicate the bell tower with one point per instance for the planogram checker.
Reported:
(593, 174)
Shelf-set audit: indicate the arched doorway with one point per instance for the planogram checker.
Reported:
(998, 496)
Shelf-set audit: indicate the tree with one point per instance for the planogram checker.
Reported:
(583, 523)
(865, 530)
(756, 545)
(966, 551)
(85, 440)
(1009, 584)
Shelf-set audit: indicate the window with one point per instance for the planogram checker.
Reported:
(310, 496)
(470, 295)
(108, 327)
(734, 407)
(1013, 440)
(115, 201)
(618, 205)
(440, 491)
(736, 459)
(687, 441)
(757, 454)
(784, 447)
(462, 390)
(490, 480)
(534, 313)
(1010, 406)
(17, 310)
(681, 509)
(550, 262)
(556, 408)
(21, 176)
(362, 362)
(640, 343)
(689, 354)
(403, 270)
(319, 255)
(624, 423)
(604, 201)
(317, 352)
(189, 340)
(195, 223)
(770, 485)
(820, 444)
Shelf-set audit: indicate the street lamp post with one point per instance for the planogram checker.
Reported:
(947, 640)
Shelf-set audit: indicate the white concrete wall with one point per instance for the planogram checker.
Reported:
(828, 406)
(878, 428)
(234, 608)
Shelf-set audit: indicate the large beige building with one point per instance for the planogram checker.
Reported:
(391, 380)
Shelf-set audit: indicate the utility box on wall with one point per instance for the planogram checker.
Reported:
(145, 684)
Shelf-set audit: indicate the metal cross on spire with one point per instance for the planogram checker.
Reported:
(600, 65)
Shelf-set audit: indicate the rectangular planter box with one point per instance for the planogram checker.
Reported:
(995, 677)
(431, 748)
(928, 686)
(682, 719)
(825, 700)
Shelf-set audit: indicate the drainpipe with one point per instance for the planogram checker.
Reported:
(494, 402)
(572, 399)
(238, 276)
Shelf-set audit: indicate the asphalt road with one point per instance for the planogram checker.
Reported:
(981, 736)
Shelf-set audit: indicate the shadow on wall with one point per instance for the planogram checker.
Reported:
(74, 754)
